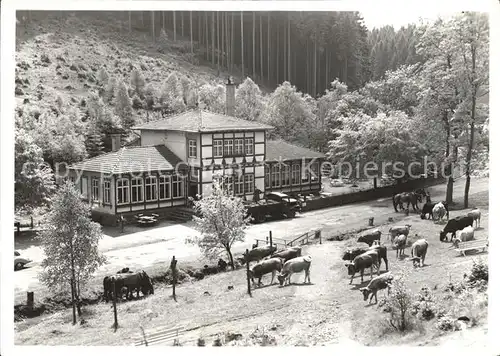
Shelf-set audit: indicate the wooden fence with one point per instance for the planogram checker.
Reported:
(299, 240)
(157, 336)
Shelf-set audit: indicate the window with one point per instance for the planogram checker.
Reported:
(249, 183)
(267, 177)
(107, 191)
(95, 189)
(217, 148)
(238, 184)
(151, 189)
(249, 146)
(136, 185)
(122, 191)
(192, 149)
(314, 172)
(285, 175)
(177, 191)
(275, 176)
(296, 174)
(164, 184)
(228, 148)
(239, 145)
(228, 184)
(85, 187)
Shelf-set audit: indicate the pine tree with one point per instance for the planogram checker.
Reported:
(123, 106)
(137, 82)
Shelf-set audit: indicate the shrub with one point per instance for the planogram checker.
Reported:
(425, 305)
(471, 303)
(445, 323)
(399, 304)
(479, 272)
(200, 342)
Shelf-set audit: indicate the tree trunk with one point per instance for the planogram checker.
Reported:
(78, 301)
(206, 36)
(191, 29)
(153, 25)
(182, 23)
(284, 52)
(449, 167)
(469, 152)
(232, 42)
(231, 260)
(315, 69)
(130, 21)
(253, 44)
(163, 21)
(261, 64)
(175, 27)
(289, 51)
(73, 297)
(213, 39)
(142, 18)
(242, 51)
(375, 183)
(277, 53)
(269, 47)
(218, 44)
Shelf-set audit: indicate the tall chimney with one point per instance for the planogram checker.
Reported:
(115, 142)
(230, 97)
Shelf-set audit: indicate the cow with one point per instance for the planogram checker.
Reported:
(438, 211)
(453, 225)
(427, 210)
(382, 254)
(222, 265)
(138, 281)
(418, 252)
(379, 282)
(400, 244)
(108, 287)
(208, 270)
(258, 253)
(476, 215)
(370, 236)
(296, 265)
(399, 230)
(365, 260)
(466, 234)
(263, 267)
(288, 253)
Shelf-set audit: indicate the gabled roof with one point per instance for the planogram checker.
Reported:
(131, 159)
(277, 150)
(202, 121)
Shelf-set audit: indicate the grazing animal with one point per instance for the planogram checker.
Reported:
(438, 211)
(400, 244)
(108, 288)
(453, 225)
(351, 254)
(399, 230)
(263, 267)
(418, 252)
(378, 283)
(138, 281)
(258, 253)
(208, 270)
(296, 265)
(365, 260)
(427, 210)
(382, 254)
(466, 234)
(222, 265)
(476, 215)
(408, 198)
(370, 236)
(288, 253)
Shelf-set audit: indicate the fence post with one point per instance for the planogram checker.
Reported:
(30, 299)
(318, 236)
(31, 222)
(270, 238)
(370, 221)
(248, 273)
(115, 325)
(173, 267)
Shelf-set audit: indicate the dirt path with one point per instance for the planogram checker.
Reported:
(155, 247)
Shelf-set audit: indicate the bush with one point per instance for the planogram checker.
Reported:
(479, 272)
(445, 323)
(425, 306)
(399, 304)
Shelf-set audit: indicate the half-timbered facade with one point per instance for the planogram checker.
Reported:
(180, 157)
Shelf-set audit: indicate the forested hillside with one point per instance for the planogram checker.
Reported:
(321, 79)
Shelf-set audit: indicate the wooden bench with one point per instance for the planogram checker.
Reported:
(157, 336)
(472, 245)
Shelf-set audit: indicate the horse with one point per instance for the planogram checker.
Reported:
(411, 197)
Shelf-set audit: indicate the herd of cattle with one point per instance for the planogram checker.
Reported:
(290, 260)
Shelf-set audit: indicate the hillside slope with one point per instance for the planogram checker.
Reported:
(60, 56)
